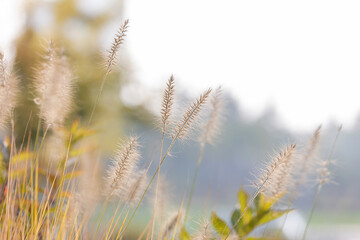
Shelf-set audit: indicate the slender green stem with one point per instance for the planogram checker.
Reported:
(33, 197)
(151, 180)
(247, 206)
(37, 175)
(189, 115)
(112, 220)
(102, 214)
(98, 97)
(291, 200)
(157, 188)
(202, 148)
(122, 225)
(312, 211)
(322, 181)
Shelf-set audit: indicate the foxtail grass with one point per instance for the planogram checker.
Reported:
(324, 177)
(264, 182)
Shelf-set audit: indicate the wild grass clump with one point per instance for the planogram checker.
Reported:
(48, 183)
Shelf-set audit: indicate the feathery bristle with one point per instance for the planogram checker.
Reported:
(170, 224)
(161, 199)
(75, 209)
(323, 170)
(281, 180)
(124, 163)
(324, 174)
(54, 88)
(307, 160)
(8, 91)
(204, 232)
(167, 103)
(137, 186)
(274, 180)
(118, 41)
(183, 126)
(212, 127)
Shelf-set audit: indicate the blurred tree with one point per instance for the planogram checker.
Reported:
(81, 35)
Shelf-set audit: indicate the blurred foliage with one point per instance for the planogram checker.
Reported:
(80, 35)
(259, 212)
(56, 175)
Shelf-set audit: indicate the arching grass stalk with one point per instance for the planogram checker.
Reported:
(211, 129)
(157, 189)
(305, 166)
(113, 224)
(178, 218)
(103, 212)
(122, 225)
(247, 206)
(323, 180)
(111, 58)
(33, 207)
(166, 112)
(97, 99)
(290, 202)
(132, 194)
(179, 132)
(37, 173)
(147, 187)
(202, 148)
(9, 178)
(265, 179)
(60, 203)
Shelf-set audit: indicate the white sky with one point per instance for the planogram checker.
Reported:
(302, 57)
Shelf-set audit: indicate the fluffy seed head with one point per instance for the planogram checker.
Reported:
(275, 178)
(191, 114)
(170, 225)
(9, 87)
(54, 88)
(161, 199)
(211, 128)
(307, 160)
(123, 165)
(118, 41)
(323, 169)
(137, 186)
(204, 232)
(167, 103)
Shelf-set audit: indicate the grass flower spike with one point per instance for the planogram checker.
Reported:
(9, 87)
(54, 88)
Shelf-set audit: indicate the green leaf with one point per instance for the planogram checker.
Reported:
(272, 215)
(184, 235)
(248, 228)
(239, 228)
(219, 225)
(255, 238)
(263, 203)
(243, 199)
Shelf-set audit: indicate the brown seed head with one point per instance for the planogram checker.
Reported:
(118, 41)
(211, 128)
(124, 164)
(191, 114)
(167, 103)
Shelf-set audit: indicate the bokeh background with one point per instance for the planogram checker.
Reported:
(285, 67)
